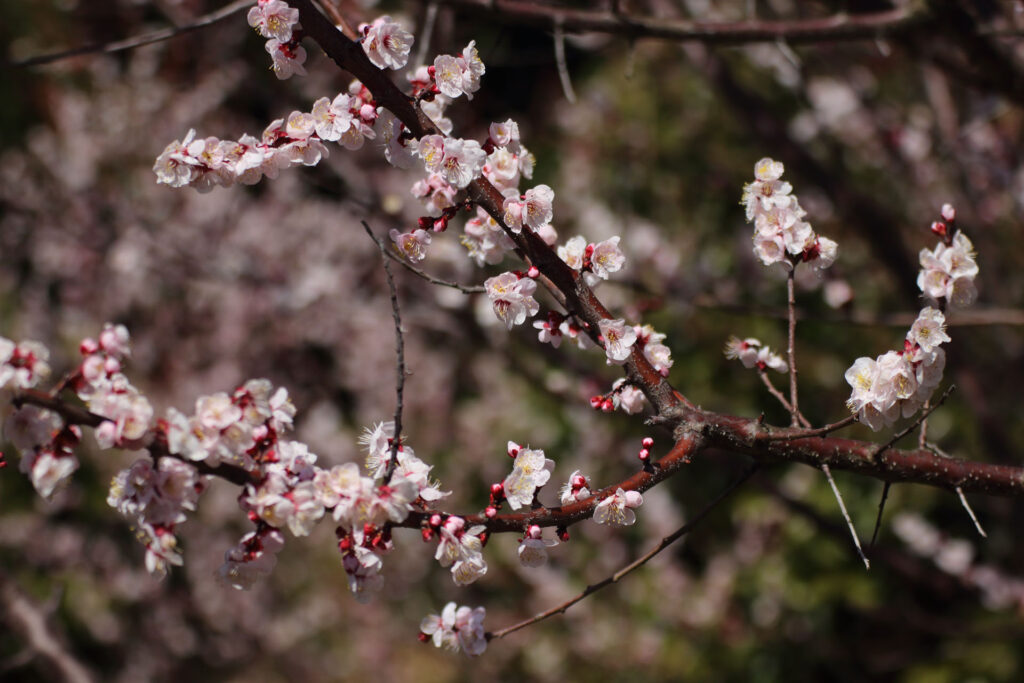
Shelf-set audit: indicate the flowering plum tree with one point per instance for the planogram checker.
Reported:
(272, 462)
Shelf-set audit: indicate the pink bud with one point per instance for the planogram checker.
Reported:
(435, 520)
(427, 534)
(533, 272)
(644, 454)
(513, 449)
(596, 401)
(490, 512)
(533, 532)
(607, 405)
(579, 481)
(939, 228)
(497, 489)
(948, 213)
(647, 442)
(111, 366)
(88, 347)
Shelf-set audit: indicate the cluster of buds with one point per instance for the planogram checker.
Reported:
(576, 489)
(753, 354)
(624, 395)
(781, 235)
(645, 449)
(948, 271)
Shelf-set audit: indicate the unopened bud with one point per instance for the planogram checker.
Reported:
(533, 272)
(948, 213)
(596, 401)
(427, 534)
(435, 520)
(423, 637)
(490, 512)
(563, 534)
(533, 532)
(939, 228)
(644, 454)
(607, 405)
(88, 347)
(647, 442)
(497, 489)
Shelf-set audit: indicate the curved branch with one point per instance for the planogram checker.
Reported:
(835, 28)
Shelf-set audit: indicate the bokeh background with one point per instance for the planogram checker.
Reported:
(278, 280)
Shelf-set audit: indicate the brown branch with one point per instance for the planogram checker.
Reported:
(465, 289)
(839, 27)
(140, 40)
(29, 622)
(634, 565)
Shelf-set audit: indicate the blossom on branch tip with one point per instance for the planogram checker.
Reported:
(752, 354)
(411, 245)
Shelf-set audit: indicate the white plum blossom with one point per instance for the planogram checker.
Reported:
(412, 245)
(949, 270)
(512, 298)
(530, 471)
(274, 19)
(574, 252)
(618, 340)
(252, 559)
(48, 469)
(457, 161)
(628, 397)
(286, 58)
(753, 354)
(461, 549)
(505, 135)
(533, 548)
(386, 43)
(533, 209)
(929, 330)
(617, 509)
(332, 118)
(575, 490)
(22, 365)
(607, 258)
(457, 628)
(781, 235)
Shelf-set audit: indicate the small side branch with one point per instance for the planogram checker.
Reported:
(465, 289)
(924, 415)
(399, 352)
(632, 566)
(794, 407)
(846, 515)
(967, 506)
(563, 69)
(140, 40)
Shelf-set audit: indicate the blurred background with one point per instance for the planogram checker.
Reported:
(278, 280)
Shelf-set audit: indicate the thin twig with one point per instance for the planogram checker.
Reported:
(967, 506)
(465, 289)
(881, 509)
(399, 352)
(846, 515)
(789, 408)
(794, 407)
(808, 433)
(636, 564)
(140, 40)
(563, 69)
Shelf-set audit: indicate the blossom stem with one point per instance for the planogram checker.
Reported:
(794, 407)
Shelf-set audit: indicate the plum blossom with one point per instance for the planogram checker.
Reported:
(274, 19)
(533, 209)
(286, 58)
(606, 258)
(530, 471)
(753, 354)
(22, 365)
(457, 161)
(412, 245)
(618, 340)
(512, 298)
(781, 235)
(533, 548)
(616, 509)
(628, 397)
(575, 490)
(252, 559)
(461, 549)
(505, 135)
(456, 628)
(386, 43)
(949, 270)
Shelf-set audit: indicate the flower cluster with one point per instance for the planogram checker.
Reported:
(155, 497)
(457, 161)
(386, 43)
(948, 271)
(22, 365)
(456, 628)
(530, 471)
(596, 261)
(485, 239)
(459, 548)
(753, 354)
(617, 509)
(533, 209)
(205, 163)
(898, 383)
(511, 296)
(279, 23)
(508, 160)
(780, 233)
